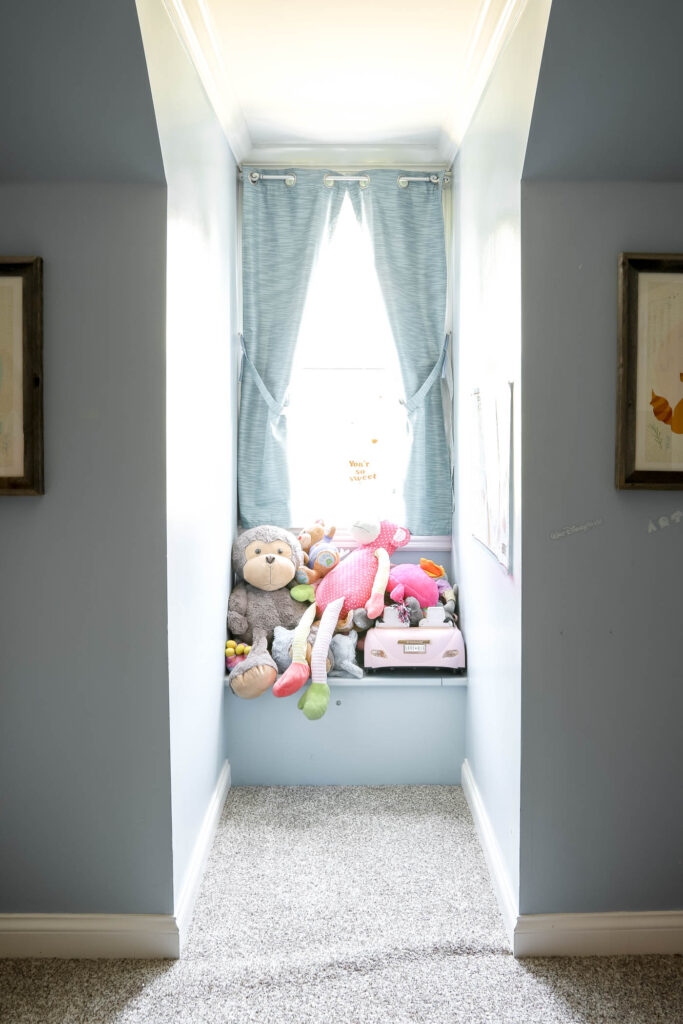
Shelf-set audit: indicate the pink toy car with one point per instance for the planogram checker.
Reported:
(414, 647)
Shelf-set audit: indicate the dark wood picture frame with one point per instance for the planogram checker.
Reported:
(631, 265)
(28, 480)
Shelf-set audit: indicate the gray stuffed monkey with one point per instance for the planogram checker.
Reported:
(265, 558)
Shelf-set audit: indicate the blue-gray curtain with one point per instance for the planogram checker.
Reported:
(282, 228)
(407, 230)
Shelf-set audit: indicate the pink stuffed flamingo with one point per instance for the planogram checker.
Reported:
(361, 578)
(358, 581)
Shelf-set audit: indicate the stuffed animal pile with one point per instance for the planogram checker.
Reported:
(297, 608)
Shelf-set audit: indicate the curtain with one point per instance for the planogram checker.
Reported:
(282, 228)
(407, 230)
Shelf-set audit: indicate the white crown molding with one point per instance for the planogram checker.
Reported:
(495, 24)
(89, 936)
(194, 25)
(200, 853)
(609, 934)
(406, 156)
(493, 854)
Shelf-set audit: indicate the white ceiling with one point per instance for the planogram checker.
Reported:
(344, 83)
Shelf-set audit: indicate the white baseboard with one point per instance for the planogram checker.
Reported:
(602, 934)
(89, 936)
(502, 885)
(609, 934)
(114, 936)
(200, 854)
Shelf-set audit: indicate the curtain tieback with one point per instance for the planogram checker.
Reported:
(418, 398)
(275, 407)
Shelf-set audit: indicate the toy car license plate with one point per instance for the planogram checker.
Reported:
(414, 648)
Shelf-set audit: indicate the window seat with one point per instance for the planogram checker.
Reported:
(379, 730)
(389, 678)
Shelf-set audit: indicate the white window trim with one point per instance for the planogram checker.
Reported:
(346, 542)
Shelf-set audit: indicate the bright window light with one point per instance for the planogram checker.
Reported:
(348, 434)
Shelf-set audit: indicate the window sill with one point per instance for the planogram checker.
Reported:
(386, 679)
(346, 542)
(400, 679)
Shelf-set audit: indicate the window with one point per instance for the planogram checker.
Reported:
(342, 400)
(347, 431)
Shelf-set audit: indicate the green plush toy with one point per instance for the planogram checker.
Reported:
(304, 592)
(314, 700)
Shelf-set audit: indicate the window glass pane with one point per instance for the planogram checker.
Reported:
(348, 434)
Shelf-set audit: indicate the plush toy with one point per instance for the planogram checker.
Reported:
(449, 611)
(316, 697)
(414, 609)
(343, 651)
(438, 573)
(321, 554)
(313, 534)
(235, 653)
(282, 648)
(265, 558)
(361, 578)
(412, 581)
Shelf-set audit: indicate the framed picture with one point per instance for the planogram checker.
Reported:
(21, 376)
(649, 449)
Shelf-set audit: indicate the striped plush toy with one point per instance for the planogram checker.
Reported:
(361, 578)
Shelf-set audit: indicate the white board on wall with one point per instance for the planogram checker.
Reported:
(491, 458)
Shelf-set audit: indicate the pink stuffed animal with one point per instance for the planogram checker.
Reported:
(412, 581)
(357, 578)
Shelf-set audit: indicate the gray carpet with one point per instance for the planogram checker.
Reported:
(345, 906)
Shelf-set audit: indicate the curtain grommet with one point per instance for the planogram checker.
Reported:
(329, 179)
(256, 176)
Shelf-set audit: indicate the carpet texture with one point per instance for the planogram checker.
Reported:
(345, 906)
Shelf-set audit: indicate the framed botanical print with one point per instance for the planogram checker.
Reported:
(649, 448)
(21, 376)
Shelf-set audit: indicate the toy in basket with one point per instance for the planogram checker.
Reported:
(435, 643)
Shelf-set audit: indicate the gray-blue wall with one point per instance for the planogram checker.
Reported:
(84, 752)
(608, 105)
(76, 99)
(602, 693)
(84, 746)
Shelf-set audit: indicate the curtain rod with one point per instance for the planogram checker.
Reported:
(363, 180)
